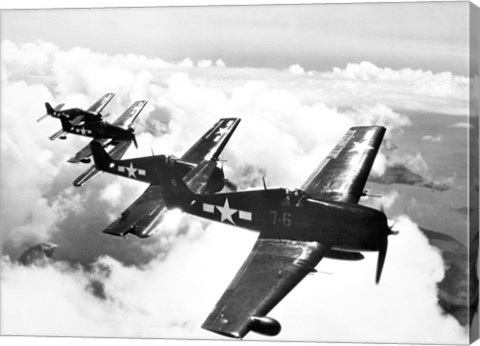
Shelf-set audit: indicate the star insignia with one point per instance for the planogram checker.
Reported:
(131, 170)
(221, 131)
(226, 212)
(360, 147)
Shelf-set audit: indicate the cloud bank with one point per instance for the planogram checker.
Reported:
(170, 298)
(166, 285)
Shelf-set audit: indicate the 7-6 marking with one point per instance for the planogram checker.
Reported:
(282, 218)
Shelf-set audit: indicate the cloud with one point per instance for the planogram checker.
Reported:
(404, 299)
(434, 139)
(462, 125)
(204, 63)
(172, 297)
(404, 89)
(296, 69)
(143, 293)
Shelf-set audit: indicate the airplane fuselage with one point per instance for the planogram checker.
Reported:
(285, 214)
(73, 113)
(158, 170)
(101, 130)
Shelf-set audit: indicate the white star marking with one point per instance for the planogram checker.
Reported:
(83, 131)
(226, 212)
(220, 133)
(361, 147)
(131, 170)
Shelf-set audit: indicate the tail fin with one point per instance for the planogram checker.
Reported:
(100, 156)
(50, 110)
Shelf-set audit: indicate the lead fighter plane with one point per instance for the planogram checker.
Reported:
(296, 228)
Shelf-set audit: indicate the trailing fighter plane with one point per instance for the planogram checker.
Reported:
(117, 147)
(77, 115)
(198, 166)
(100, 130)
(296, 230)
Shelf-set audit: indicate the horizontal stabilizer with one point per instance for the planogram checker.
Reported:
(116, 152)
(43, 117)
(143, 217)
(83, 154)
(57, 134)
(86, 176)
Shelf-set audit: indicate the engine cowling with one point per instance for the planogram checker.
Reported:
(265, 325)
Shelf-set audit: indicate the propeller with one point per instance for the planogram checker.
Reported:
(134, 138)
(135, 141)
(382, 252)
(231, 187)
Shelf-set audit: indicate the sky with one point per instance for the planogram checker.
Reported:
(272, 78)
(314, 36)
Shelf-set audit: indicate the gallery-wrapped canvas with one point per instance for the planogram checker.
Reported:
(301, 172)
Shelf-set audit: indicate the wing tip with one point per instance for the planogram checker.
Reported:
(215, 329)
(379, 127)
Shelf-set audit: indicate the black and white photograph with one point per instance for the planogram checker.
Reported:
(269, 172)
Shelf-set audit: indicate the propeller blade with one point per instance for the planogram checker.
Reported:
(230, 186)
(135, 142)
(42, 117)
(382, 254)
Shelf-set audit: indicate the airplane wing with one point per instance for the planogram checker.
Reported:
(142, 217)
(128, 117)
(116, 152)
(211, 144)
(344, 172)
(272, 269)
(86, 151)
(102, 102)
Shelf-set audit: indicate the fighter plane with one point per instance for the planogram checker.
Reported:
(100, 130)
(198, 166)
(296, 230)
(117, 147)
(77, 115)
